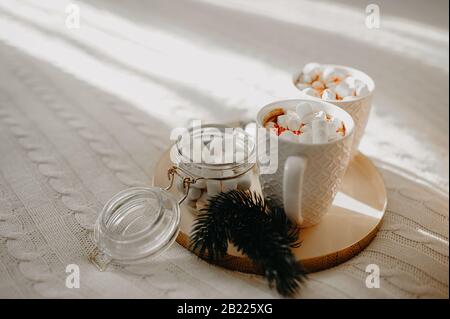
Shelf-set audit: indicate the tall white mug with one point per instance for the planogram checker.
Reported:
(308, 175)
(358, 107)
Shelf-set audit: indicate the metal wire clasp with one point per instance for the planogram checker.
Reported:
(99, 259)
(188, 180)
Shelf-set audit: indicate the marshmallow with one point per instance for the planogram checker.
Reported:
(306, 78)
(318, 85)
(357, 86)
(289, 136)
(351, 81)
(282, 120)
(291, 113)
(244, 182)
(330, 83)
(328, 72)
(362, 90)
(328, 95)
(306, 128)
(302, 86)
(349, 98)
(311, 124)
(305, 137)
(343, 90)
(331, 74)
(312, 69)
(358, 83)
(321, 115)
(294, 122)
(319, 131)
(310, 92)
(308, 118)
(194, 193)
(333, 125)
(302, 109)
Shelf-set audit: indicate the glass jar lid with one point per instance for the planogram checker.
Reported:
(135, 224)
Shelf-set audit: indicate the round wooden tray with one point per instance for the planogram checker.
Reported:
(348, 227)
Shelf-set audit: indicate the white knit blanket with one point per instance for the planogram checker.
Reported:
(87, 112)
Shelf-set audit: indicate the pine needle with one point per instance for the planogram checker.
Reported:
(261, 232)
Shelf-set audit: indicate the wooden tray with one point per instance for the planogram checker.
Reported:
(348, 227)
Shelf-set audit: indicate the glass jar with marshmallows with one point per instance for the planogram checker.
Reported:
(212, 159)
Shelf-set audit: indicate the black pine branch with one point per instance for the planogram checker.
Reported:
(261, 232)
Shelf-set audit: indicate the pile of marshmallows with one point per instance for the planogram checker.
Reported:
(330, 83)
(201, 191)
(213, 152)
(307, 125)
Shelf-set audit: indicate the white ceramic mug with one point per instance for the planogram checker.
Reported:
(359, 107)
(308, 175)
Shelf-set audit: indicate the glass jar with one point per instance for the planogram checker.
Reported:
(218, 159)
(140, 222)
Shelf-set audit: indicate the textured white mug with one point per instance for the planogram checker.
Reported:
(359, 107)
(308, 175)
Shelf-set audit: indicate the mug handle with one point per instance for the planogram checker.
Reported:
(294, 171)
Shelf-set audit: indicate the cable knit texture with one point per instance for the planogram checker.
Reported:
(80, 120)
